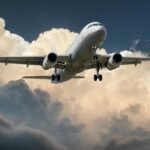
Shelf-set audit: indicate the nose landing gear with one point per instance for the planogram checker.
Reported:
(98, 76)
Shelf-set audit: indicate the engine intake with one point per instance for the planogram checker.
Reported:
(49, 61)
(52, 57)
(114, 61)
(117, 58)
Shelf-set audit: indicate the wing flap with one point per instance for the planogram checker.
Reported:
(131, 62)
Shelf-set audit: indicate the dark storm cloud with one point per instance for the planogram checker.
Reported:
(35, 112)
(122, 134)
(38, 110)
(135, 143)
(22, 138)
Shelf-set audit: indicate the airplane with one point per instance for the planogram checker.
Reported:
(80, 56)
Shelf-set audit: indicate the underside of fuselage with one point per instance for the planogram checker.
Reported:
(82, 54)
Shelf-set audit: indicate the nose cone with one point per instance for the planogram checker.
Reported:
(102, 32)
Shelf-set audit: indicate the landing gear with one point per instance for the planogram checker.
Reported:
(95, 77)
(55, 77)
(98, 76)
(58, 77)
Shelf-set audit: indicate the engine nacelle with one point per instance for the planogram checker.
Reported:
(114, 61)
(49, 61)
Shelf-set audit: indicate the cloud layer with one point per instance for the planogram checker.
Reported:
(12, 137)
(78, 114)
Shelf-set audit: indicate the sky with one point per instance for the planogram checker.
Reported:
(78, 114)
(125, 21)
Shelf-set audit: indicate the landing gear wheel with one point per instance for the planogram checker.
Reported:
(53, 77)
(58, 77)
(100, 77)
(95, 77)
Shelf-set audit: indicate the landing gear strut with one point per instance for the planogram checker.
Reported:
(55, 76)
(98, 76)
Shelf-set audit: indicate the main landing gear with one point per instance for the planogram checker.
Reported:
(98, 76)
(55, 77)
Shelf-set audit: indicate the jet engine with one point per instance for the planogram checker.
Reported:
(114, 61)
(49, 61)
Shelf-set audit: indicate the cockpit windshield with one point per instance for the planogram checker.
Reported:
(90, 25)
(94, 24)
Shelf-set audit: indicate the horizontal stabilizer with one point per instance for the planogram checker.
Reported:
(37, 77)
(78, 77)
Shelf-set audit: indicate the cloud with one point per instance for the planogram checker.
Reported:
(132, 144)
(122, 135)
(56, 40)
(2, 25)
(134, 45)
(80, 114)
(38, 110)
(12, 137)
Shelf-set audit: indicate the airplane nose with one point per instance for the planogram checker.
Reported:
(102, 31)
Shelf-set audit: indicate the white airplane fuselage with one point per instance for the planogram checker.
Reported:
(82, 49)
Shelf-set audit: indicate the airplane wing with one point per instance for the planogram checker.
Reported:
(134, 60)
(22, 60)
(33, 60)
(103, 60)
